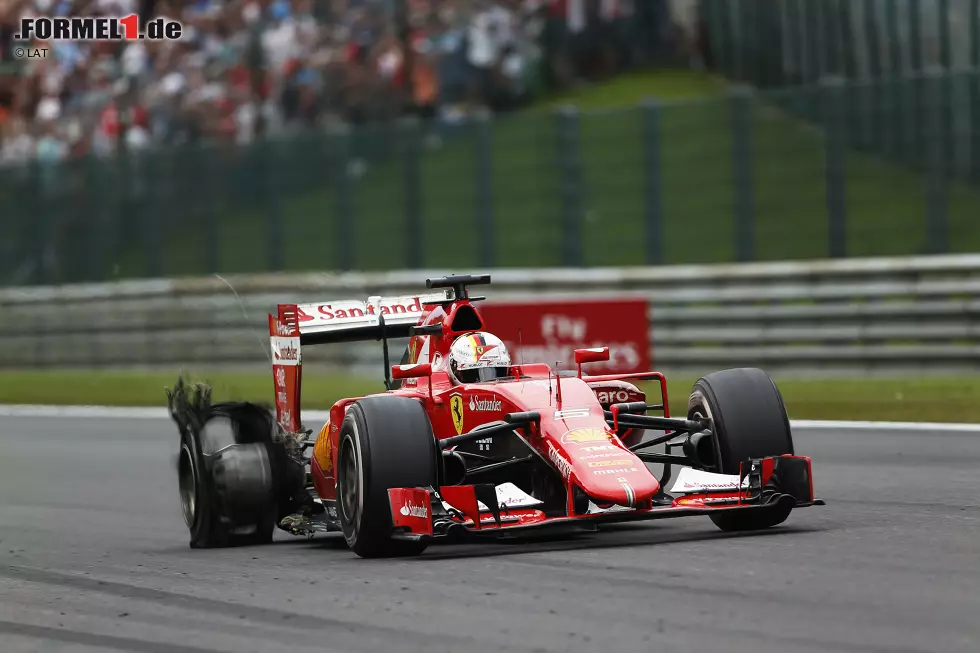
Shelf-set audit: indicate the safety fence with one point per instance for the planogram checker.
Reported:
(836, 169)
(778, 43)
(853, 316)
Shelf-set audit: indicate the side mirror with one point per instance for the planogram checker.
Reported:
(416, 371)
(593, 355)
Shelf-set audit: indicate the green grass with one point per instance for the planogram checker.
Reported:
(885, 203)
(633, 88)
(920, 399)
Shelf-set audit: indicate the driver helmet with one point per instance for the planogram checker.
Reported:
(478, 357)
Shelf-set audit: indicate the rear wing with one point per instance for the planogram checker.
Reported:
(347, 320)
(351, 320)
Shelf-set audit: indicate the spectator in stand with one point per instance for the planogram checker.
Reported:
(244, 68)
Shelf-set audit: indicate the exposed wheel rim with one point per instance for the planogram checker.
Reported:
(701, 411)
(348, 481)
(187, 482)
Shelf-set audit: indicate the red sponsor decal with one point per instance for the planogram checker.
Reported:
(285, 349)
(286, 375)
(550, 331)
(410, 508)
(613, 396)
(346, 309)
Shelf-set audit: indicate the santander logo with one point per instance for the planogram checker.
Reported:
(285, 351)
(563, 465)
(483, 405)
(408, 510)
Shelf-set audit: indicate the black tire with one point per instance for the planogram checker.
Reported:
(385, 442)
(226, 485)
(748, 420)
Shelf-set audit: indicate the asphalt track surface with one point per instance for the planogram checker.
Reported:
(94, 557)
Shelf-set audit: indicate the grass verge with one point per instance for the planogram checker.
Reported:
(947, 399)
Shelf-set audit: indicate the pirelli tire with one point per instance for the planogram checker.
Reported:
(227, 480)
(385, 442)
(748, 420)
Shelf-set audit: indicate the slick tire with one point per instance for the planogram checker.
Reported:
(226, 486)
(385, 442)
(748, 420)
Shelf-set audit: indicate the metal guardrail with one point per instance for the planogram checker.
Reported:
(853, 316)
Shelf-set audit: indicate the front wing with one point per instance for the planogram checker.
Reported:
(768, 488)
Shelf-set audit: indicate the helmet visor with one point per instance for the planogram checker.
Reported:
(482, 374)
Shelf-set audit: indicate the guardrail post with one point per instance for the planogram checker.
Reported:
(653, 211)
(744, 180)
(484, 188)
(411, 139)
(346, 245)
(570, 183)
(835, 139)
(937, 227)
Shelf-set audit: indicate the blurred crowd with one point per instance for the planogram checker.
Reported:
(243, 68)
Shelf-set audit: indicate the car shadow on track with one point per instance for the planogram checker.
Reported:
(609, 537)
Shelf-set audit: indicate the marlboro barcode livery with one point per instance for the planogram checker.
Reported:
(467, 442)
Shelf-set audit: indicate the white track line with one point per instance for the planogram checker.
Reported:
(884, 426)
(112, 412)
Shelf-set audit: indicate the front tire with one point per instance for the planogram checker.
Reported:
(385, 442)
(748, 420)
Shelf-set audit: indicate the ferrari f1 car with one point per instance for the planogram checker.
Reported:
(436, 458)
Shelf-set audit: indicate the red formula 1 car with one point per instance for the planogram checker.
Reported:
(450, 451)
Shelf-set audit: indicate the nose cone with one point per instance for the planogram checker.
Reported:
(625, 486)
(610, 473)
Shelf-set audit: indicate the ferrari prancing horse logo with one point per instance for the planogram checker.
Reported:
(456, 407)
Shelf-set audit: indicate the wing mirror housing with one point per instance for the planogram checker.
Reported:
(415, 371)
(593, 355)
